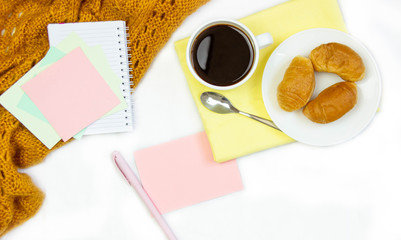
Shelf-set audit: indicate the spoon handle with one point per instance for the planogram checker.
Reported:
(259, 119)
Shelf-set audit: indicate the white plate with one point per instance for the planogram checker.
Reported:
(295, 124)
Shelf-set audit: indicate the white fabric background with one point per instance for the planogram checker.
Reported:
(349, 191)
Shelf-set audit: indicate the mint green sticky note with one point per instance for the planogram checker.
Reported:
(53, 55)
(27, 105)
(10, 99)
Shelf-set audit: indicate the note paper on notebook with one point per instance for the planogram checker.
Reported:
(105, 44)
(112, 38)
(71, 94)
(182, 173)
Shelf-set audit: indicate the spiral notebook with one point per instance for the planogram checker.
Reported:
(112, 37)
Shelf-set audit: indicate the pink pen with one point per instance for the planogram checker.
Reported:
(123, 166)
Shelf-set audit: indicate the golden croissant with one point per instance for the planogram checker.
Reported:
(339, 59)
(297, 86)
(332, 103)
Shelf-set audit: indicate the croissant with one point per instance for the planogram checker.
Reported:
(332, 103)
(297, 86)
(339, 59)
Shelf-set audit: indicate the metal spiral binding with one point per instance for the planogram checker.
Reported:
(125, 60)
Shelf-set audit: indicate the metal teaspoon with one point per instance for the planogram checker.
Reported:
(218, 103)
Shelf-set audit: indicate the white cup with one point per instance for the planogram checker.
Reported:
(257, 42)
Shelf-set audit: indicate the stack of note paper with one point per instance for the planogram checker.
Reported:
(72, 87)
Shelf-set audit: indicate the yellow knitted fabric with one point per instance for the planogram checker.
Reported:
(23, 42)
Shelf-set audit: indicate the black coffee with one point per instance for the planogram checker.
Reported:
(222, 55)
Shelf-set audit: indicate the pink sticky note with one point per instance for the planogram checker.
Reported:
(182, 172)
(71, 94)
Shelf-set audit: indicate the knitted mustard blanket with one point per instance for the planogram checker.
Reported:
(23, 42)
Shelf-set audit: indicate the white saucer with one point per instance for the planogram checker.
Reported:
(295, 124)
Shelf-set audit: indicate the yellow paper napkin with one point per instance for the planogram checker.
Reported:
(233, 135)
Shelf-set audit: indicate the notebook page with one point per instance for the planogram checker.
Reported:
(111, 36)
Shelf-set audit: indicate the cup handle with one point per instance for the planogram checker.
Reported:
(263, 40)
